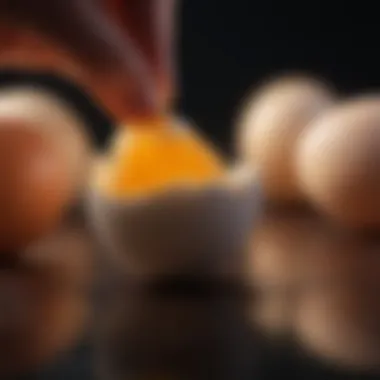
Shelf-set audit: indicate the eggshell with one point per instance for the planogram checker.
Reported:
(35, 187)
(269, 126)
(196, 230)
(43, 111)
(338, 161)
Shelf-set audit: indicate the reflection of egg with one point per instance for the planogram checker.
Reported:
(43, 301)
(339, 312)
(43, 111)
(168, 330)
(189, 225)
(270, 126)
(279, 242)
(34, 187)
(339, 162)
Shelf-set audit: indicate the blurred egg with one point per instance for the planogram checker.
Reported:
(270, 125)
(34, 187)
(338, 162)
(44, 112)
(44, 301)
(279, 242)
(188, 216)
(337, 319)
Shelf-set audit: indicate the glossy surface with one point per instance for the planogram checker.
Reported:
(44, 300)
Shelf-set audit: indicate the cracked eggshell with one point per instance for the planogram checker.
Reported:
(269, 126)
(190, 230)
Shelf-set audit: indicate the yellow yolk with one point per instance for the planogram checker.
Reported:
(145, 161)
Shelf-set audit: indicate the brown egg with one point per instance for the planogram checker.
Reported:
(339, 312)
(44, 300)
(34, 187)
(43, 111)
(278, 246)
(270, 125)
(338, 162)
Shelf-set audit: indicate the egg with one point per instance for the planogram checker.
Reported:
(44, 301)
(34, 187)
(275, 265)
(337, 319)
(45, 251)
(181, 215)
(338, 162)
(44, 112)
(269, 126)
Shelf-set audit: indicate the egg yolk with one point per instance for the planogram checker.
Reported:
(144, 161)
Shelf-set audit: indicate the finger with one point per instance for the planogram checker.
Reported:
(150, 24)
(78, 25)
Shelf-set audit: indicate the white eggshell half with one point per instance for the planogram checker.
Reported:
(184, 230)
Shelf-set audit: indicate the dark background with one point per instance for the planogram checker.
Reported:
(227, 46)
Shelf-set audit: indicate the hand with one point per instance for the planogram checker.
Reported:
(116, 60)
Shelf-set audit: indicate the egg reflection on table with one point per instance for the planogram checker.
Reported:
(269, 126)
(275, 265)
(44, 301)
(173, 328)
(337, 318)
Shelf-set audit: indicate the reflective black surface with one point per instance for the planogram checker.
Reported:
(227, 46)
